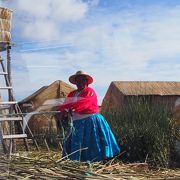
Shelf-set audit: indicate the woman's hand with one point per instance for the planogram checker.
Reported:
(64, 113)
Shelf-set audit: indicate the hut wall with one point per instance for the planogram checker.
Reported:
(113, 98)
(177, 111)
(167, 101)
(43, 124)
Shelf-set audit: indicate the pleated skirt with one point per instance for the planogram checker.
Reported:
(91, 140)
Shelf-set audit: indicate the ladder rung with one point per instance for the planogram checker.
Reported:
(15, 136)
(8, 102)
(7, 87)
(3, 73)
(4, 107)
(11, 119)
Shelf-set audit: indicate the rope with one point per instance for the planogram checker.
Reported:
(24, 114)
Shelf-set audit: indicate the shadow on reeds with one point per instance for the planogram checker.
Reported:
(146, 131)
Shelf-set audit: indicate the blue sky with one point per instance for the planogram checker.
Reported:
(110, 39)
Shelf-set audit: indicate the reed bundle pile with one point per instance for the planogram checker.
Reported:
(51, 166)
(5, 25)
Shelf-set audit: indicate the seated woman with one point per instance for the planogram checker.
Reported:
(92, 138)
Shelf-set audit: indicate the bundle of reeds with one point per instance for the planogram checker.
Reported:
(5, 25)
(45, 165)
(5, 37)
(5, 13)
(146, 131)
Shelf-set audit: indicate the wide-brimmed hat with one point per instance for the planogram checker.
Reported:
(72, 78)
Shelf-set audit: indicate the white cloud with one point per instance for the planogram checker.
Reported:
(44, 19)
(39, 9)
(111, 45)
(56, 10)
(69, 10)
(41, 30)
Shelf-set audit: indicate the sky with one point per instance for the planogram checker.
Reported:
(112, 40)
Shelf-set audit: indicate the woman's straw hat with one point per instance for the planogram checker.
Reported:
(72, 78)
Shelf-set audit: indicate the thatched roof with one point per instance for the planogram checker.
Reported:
(57, 89)
(33, 96)
(162, 88)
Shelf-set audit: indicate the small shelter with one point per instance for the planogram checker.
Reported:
(44, 123)
(122, 94)
(119, 92)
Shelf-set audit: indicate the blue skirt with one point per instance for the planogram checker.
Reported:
(91, 140)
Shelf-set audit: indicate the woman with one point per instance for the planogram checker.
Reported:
(92, 138)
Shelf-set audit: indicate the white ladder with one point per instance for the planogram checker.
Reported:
(13, 116)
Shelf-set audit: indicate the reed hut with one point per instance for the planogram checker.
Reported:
(141, 105)
(177, 111)
(120, 92)
(44, 123)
